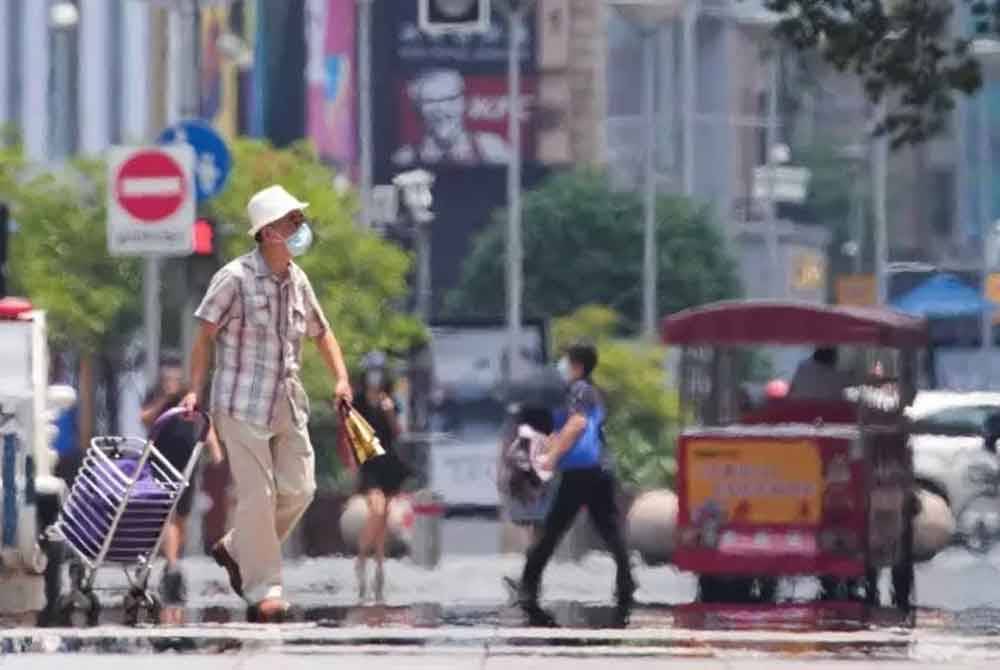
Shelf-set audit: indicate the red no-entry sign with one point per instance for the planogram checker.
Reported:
(151, 185)
(151, 203)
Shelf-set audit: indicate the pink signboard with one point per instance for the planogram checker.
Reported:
(330, 79)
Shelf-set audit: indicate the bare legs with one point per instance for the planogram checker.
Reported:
(173, 539)
(372, 540)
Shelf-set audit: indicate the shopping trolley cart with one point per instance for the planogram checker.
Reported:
(117, 509)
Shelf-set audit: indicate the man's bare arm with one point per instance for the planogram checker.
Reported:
(200, 353)
(332, 355)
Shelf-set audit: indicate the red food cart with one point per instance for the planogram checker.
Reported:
(795, 486)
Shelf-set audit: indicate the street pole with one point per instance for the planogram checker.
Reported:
(857, 218)
(63, 64)
(691, 10)
(649, 183)
(514, 251)
(985, 218)
(365, 106)
(184, 57)
(776, 271)
(190, 108)
(423, 230)
(880, 157)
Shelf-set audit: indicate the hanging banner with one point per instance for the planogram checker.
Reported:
(219, 84)
(330, 72)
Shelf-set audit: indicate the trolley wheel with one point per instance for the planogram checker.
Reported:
(766, 589)
(141, 606)
(870, 585)
(77, 574)
(903, 571)
(714, 589)
(78, 609)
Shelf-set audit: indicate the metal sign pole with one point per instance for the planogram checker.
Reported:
(516, 11)
(365, 106)
(985, 192)
(649, 191)
(880, 150)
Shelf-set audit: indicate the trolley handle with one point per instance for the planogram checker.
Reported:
(183, 414)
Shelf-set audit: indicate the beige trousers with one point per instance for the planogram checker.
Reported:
(274, 480)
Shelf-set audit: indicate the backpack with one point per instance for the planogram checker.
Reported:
(521, 480)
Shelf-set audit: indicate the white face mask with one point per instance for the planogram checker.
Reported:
(564, 370)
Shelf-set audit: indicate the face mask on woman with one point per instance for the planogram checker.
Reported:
(564, 369)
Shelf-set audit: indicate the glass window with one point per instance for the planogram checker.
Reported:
(956, 420)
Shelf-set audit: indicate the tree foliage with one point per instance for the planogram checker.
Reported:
(59, 255)
(904, 52)
(583, 244)
(643, 411)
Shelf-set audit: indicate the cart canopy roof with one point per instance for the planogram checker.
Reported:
(745, 322)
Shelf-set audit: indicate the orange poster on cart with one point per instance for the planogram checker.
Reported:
(754, 481)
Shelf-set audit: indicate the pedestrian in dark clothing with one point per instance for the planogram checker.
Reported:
(165, 395)
(578, 451)
(380, 478)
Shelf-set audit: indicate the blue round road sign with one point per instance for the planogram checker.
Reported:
(212, 159)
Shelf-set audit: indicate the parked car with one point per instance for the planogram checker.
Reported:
(954, 439)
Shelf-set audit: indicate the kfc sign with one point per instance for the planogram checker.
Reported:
(452, 119)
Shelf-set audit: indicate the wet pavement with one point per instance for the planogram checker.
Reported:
(460, 612)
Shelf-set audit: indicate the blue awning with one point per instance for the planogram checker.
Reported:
(943, 296)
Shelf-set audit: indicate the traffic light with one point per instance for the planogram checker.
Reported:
(4, 231)
(454, 16)
(204, 237)
(205, 256)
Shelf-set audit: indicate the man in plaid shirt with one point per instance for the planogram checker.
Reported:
(256, 312)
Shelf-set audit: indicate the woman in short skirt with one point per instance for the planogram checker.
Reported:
(380, 478)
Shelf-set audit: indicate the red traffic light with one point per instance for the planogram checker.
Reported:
(204, 238)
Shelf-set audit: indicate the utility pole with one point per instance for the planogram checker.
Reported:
(365, 106)
(516, 9)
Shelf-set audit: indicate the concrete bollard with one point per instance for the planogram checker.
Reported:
(401, 520)
(428, 511)
(651, 524)
(933, 527)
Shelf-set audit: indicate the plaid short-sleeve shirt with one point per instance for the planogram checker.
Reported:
(261, 319)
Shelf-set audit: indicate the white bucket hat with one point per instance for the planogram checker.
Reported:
(269, 205)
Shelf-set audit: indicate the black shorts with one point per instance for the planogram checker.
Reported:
(386, 473)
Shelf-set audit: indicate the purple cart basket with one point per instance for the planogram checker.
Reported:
(117, 509)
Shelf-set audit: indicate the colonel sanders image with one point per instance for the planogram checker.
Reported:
(439, 97)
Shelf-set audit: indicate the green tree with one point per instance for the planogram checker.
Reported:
(359, 278)
(583, 244)
(643, 411)
(904, 52)
(59, 260)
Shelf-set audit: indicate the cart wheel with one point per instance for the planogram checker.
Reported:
(78, 609)
(141, 607)
(725, 589)
(766, 589)
(871, 587)
(76, 574)
(902, 572)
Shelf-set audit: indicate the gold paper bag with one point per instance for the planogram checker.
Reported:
(364, 442)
